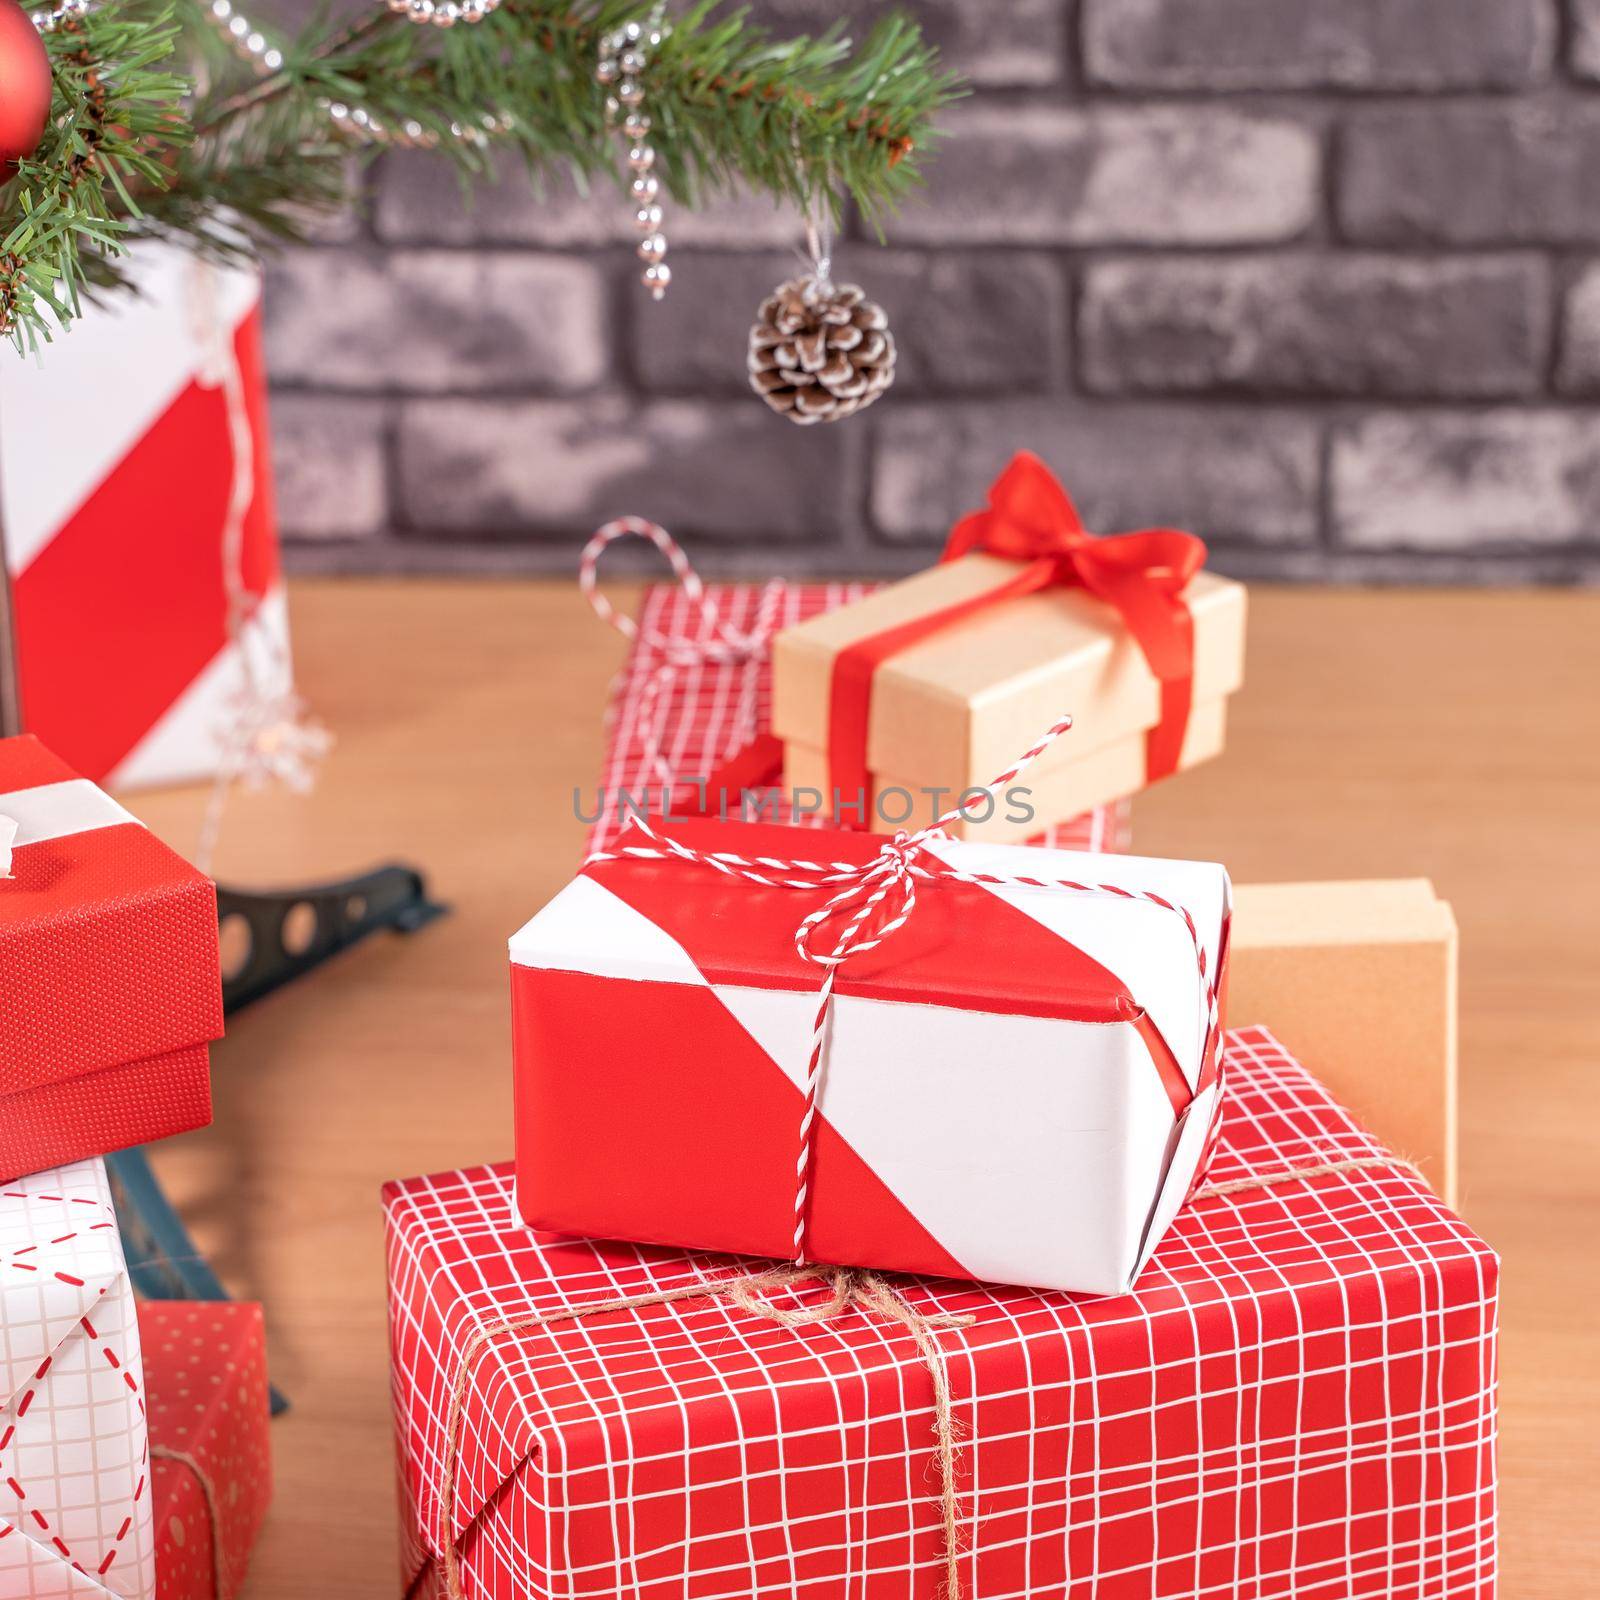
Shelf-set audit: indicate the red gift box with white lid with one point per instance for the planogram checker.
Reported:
(1018, 1084)
(110, 986)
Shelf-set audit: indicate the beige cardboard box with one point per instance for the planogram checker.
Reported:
(956, 708)
(1358, 979)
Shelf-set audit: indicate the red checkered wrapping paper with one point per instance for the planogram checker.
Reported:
(1298, 1400)
(704, 719)
(110, 984)
(205, 1366)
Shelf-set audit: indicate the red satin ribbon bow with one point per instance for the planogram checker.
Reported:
(1030, 519)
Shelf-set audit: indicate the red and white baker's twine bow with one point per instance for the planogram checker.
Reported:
(722, 644)
(875, 899)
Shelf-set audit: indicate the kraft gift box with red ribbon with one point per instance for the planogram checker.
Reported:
(139, 528)
(930, 683)
(110, 989)
(916, 1054)
(205, 1365)
(76, 1520)
(1298, 1399)
(690, 711)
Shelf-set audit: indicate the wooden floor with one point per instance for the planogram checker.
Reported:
(1382, 734)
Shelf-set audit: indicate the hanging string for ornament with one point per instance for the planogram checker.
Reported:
(625, 56)
(265, 736)
(820, 351)
(817, 257)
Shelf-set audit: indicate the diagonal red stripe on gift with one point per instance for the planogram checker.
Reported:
(740, 932)
(702, 1094)
(596, 1040)
(124, 606)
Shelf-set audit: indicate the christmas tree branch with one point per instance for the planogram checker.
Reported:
(113, 112)
(226, 156)
(287, 80)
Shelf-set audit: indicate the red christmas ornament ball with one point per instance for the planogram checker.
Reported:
(24, 86)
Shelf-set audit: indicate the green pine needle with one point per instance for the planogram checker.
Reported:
(159, 129)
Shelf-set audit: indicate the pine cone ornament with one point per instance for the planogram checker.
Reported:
(819, 352)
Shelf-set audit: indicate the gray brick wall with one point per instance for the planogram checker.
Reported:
(1318, 280)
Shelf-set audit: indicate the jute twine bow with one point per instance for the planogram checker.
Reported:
(208, 1493)
(871, 901)
(849, 1290)
(723, 644)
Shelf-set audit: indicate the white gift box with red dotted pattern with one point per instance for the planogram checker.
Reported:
(75, 1520)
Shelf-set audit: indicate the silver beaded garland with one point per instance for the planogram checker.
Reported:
(65, 11)
(355, 123)
(624, 61)
(443, 13)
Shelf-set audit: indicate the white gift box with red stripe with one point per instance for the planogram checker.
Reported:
(75, 1518)
(122, 457)
(1017, 1086)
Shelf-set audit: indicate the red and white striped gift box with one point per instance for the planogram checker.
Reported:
(708, 710)
(118, 463)
(75, 1503)
(1011, 1077)
(1296, 1403)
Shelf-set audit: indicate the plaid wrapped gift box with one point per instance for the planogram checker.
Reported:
(1297, 1400)
(75, 1506)
(697, 716)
